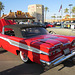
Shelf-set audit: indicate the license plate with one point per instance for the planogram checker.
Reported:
(66, 51)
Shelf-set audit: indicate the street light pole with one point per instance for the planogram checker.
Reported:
(70, 9)
(54, 17)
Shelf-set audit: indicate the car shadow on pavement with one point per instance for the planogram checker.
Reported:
(24, 69)
(2, 51)
(31, 69)
(67, 63)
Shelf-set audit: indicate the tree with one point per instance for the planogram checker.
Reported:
(73, 16)
(66, 10)
(53, 17)
(1, 7)
(59, 16)
(73, 10)
(46, 9)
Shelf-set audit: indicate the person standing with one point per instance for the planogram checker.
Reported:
(28, 21)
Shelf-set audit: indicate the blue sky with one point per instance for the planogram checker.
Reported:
(22, 5)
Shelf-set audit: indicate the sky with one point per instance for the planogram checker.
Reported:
(53, 5)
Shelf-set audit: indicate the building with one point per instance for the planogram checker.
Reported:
(19, 15)
(67, 18)
(37, 11)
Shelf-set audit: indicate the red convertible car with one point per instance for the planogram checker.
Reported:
(35, 43)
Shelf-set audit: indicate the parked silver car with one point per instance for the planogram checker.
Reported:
(64, 29)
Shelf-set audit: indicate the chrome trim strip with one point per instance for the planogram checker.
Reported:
(66, 44)
(64, 58)
(24, 46)
(58, 60)
(3, 30)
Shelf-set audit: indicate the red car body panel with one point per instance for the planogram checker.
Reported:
(4, 22)
(49, 25)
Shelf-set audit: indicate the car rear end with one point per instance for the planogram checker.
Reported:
(58, 54)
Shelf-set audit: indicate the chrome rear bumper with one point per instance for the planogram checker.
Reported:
(58, 60)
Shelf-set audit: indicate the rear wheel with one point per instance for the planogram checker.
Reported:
(24, 57)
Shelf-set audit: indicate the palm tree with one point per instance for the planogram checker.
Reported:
(73, 11)
(46, 9)
(1, 7)
(59, 17)
(53, 17)
(66, 10)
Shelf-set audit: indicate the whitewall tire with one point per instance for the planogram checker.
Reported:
(24, 57)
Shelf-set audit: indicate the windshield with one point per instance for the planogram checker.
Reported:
(32, 32)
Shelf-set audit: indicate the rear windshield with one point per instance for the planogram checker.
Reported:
(32, 32)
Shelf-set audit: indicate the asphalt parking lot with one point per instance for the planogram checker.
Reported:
(11, 64)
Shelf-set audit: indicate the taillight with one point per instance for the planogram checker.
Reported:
(54, 52)
(51, 53)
